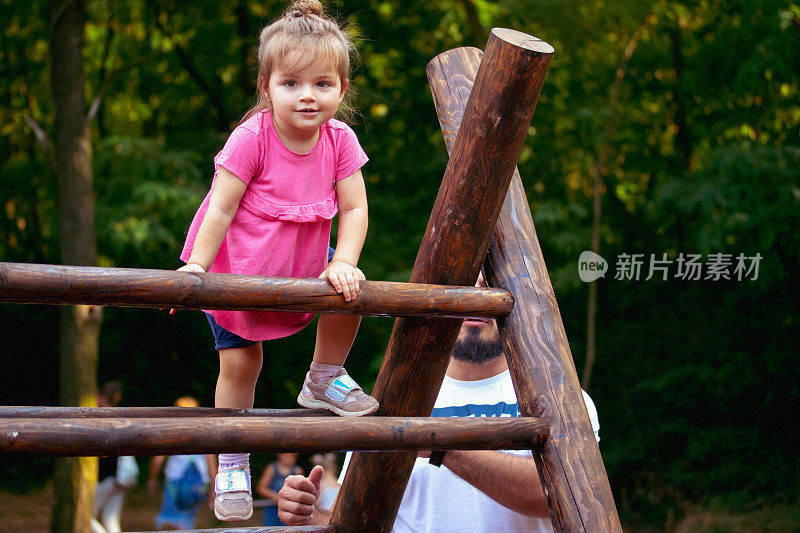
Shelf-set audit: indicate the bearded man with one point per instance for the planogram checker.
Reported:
(476, 490)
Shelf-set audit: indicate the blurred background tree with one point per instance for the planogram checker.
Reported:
(683, 115)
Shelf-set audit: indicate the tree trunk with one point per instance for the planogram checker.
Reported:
(473, 21)
(74, 478)
(683, 138)
(598, 170)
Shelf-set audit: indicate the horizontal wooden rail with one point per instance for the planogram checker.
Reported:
(150, 412)
(135, 287)
(190, 435)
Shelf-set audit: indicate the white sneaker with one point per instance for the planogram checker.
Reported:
(234, 498)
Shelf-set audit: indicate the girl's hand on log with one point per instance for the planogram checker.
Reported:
(189, 267)
(192, 267)
(297, 497)
(344, 277)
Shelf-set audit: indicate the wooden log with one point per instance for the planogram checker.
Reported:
(570, 465)
(547, 384)
(453, 249)
(150, 412)
(192, 435)
(134, 287)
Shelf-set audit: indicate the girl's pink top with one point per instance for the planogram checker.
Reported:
(283, 224)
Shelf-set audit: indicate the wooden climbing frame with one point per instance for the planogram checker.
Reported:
(481, 219)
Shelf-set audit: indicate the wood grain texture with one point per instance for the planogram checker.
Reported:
(453, 249)
(150, 412)
(80, 437)
(570, 464)
(133, 287)
(544, 376)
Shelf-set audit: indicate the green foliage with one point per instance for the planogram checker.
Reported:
(148, 192)
(695, 381)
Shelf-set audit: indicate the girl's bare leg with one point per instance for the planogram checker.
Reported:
(236, 386)
(238, 373)
(335, 336)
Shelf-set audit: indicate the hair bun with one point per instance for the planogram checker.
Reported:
(301, 8)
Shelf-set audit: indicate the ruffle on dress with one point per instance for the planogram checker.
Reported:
(319, 211)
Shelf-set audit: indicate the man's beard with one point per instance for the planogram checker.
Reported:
(472, 349)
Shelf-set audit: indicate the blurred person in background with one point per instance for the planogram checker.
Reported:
(186, 483)
(271, 482)
(117, 474)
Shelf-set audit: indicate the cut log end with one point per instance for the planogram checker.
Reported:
(523, 40)
(433, 64)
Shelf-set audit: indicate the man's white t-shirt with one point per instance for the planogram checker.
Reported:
(438, 501)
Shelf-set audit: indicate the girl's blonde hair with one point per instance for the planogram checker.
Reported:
(306, 35)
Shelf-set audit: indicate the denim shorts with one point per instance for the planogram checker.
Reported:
(225, 339)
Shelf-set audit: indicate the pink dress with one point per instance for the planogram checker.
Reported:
(283, 224)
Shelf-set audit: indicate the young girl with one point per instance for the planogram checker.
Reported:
(277, 184)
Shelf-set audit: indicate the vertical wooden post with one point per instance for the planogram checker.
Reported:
(570, 466)
(453, 249)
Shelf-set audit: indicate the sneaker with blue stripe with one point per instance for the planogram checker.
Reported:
(340, 394)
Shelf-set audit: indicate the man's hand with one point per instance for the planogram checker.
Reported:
(297, 497)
